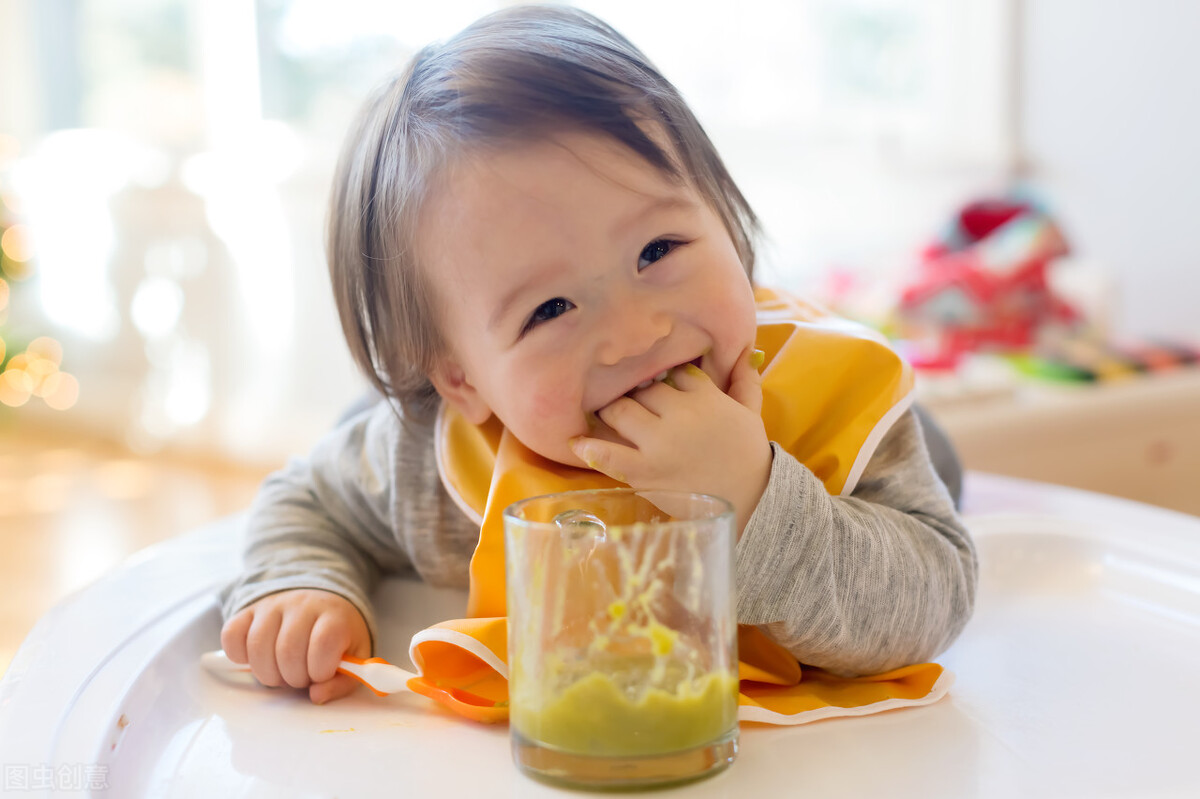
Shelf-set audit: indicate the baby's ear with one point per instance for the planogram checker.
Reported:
(452, 384)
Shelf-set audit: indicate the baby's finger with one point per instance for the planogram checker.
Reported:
(329, 641)
(656, 398)
(603, 456)
(233, 636)
(628, 417)
(260, 647)
(291, 649)
(745, 382)
(689, 376)
(341, 685)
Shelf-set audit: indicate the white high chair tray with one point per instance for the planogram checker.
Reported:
(1079, 676)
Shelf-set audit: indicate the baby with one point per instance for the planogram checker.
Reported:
(530, 231)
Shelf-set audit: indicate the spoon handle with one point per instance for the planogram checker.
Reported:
(381, 677)
(377, 674)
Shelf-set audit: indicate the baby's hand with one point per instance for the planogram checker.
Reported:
(297, 638)
(690, 436)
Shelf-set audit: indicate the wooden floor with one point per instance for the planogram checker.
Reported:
(72, 508)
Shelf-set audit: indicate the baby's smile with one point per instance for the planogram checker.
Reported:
(658, 378)
(661, 376)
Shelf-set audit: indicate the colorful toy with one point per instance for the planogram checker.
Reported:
(982, 285)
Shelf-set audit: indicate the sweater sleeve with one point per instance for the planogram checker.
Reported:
(325, 521)
(861, 584)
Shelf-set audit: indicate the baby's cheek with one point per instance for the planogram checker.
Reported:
(550, 417)
(552, 405)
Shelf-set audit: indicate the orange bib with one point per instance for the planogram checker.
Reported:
(831, 390)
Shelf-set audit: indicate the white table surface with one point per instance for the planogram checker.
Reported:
(1079, 676)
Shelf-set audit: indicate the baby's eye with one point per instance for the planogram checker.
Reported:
(655, 250)
(547, 311)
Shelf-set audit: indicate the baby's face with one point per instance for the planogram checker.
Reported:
(569, 272)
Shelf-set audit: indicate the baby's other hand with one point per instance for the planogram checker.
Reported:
(297, 638)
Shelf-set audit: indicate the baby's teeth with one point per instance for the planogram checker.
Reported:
(658, 378)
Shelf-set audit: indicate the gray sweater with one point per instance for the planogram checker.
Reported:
(859, 584)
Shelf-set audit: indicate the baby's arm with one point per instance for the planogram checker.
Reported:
(317, 537)
(865, 583)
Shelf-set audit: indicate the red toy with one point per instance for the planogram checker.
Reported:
(982, 285)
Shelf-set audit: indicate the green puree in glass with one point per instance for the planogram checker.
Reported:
(593, 716)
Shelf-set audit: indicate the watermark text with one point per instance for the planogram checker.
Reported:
(57, 777)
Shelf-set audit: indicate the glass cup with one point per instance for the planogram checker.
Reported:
(622, 642)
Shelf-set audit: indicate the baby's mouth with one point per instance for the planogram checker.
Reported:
(658, 378)
(663, 375)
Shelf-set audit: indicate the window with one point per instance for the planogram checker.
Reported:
(175, 156)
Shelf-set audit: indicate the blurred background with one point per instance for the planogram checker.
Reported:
(166, 331)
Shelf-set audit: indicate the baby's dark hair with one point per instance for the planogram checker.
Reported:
(518, 75)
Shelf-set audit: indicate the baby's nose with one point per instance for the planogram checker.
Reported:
(632, 330)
